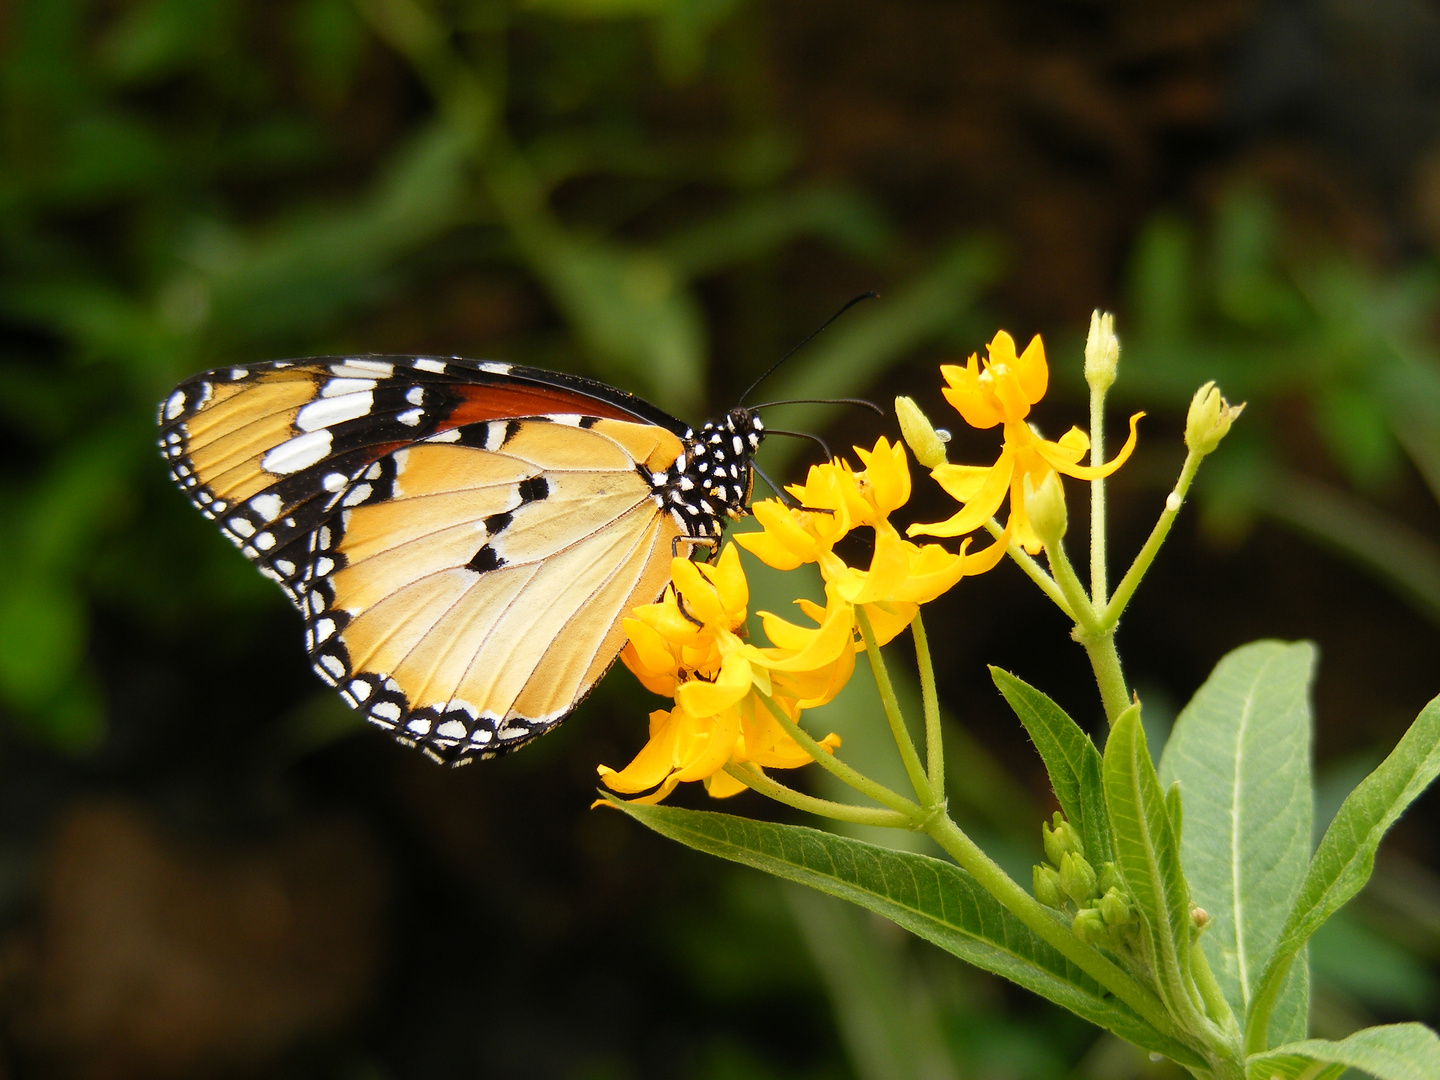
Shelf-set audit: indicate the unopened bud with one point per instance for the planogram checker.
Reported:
(1089, 925)
(1115, 907)
(1045, 507)
(1102, 351)
(1047, 887)
(1200, 917)
(1108, 877)
(1209, 419)
(1060, 838)
(1077, 878)
(924, 440)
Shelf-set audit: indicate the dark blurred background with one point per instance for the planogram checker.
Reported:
(208, 869)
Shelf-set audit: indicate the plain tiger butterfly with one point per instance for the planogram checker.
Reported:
(462, 538)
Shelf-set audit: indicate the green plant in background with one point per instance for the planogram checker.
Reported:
(1279, 325)
(1175, 904)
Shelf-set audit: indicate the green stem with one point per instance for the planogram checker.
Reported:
(1048, 928)
(934, 740)
(1216, 1007)
(1131, 581)
(898, 728)
(1033, 570)
(837, 768)
(1105, 662)
(1069, 583)
(1098, 573)
(756, 780)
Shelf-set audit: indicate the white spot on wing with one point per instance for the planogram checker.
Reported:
(453, 435)
(298, 453)
(333, 481)
(341, 387)
(410, 417)
(359, 368)
(242, 526)
(268, 506)
(386, 710)
(334, 410)
(175, 405)
(357, 495)
(424, 363)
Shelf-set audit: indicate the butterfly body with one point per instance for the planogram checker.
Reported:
(461, 537)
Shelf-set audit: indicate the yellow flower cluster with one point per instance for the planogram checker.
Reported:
(690, 646)
(734, 700)
(1001, 392)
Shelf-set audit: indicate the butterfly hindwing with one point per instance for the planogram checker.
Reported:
(474, 598)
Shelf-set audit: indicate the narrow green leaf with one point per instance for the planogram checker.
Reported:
(1392, 1052)
(1346, 855)
(933, 899)
(1148, 855)
(1240, 752)
(1070, 758)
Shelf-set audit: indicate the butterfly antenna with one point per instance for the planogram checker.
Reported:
(808, 338)
(876, 409)
(816, 439)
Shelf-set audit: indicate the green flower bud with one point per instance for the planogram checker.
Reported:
(1060, 838)
(1045, 507)
(1115, 907)
(1089, 925)
(1209, 419)
(924, 441)
(1077, 878)
(1047, 887)
(1109, 878)
(1102, 351)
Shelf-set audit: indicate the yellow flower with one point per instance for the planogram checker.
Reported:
(1002, 393)
(836, 499)
(690, 646)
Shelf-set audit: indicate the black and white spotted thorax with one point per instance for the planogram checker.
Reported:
(710, 483)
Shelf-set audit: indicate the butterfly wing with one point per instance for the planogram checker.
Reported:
(462, 538)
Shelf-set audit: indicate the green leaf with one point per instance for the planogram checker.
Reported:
(1070, 758)
(1392, 1052)
(1241, 754)
(933, 899)
(1148, 855)
(1346, 855)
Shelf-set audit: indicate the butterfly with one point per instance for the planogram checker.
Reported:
(462, 538)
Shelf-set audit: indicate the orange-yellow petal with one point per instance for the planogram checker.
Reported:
(700, 698)
(656, 758)
(978, 510)
(1081, 472)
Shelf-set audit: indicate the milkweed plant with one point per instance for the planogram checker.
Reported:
(1173, 905)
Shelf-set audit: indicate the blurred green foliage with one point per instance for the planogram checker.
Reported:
(1300, 329)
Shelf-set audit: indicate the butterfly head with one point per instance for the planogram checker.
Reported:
(713, 481)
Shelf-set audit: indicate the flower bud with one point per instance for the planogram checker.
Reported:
(1089, 925)
(1060, 838)
(922, 438)
(1047, 887)
(1102, 351)
(1209, 419)
(1200, 917)
(1077, 878)
(1045, 507)
(1115, 907)
(1109, 878)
